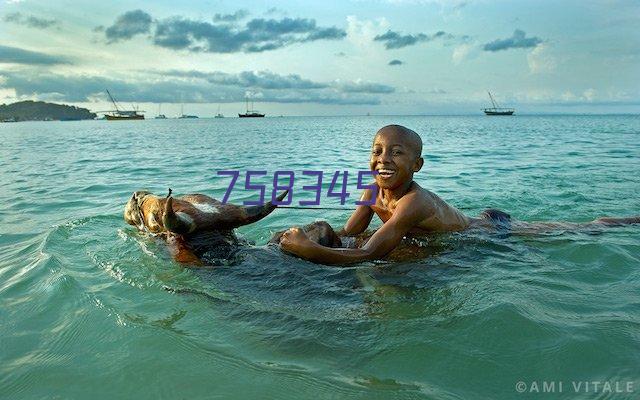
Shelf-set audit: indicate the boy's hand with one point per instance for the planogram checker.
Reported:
(295, 241)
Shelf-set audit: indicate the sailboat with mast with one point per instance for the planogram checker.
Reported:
(496, 110)
(219, 114)
(251, 113)
(160, 114)
(185, 116)
(119, 114)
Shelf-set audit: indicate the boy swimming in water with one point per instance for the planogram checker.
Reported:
(405, 208)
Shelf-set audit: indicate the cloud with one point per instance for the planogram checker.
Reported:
(257, 36)
(128, 25)
(360, 86)
(236, 16)
(362, 32)
(273, 81)
(395, 40)
(222, 35)
(14, 55)
(517, 41)
(88, 88)
(464, 51)
(576, 97)
(540, 61)
(460, 5)
(192, 86)
(589, 94)
(31, 21)
(395, 62)
(260, 79)
(275, 10)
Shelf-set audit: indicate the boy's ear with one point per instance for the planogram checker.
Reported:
(418, 165)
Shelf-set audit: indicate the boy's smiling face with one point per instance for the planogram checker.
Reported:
(396, 155)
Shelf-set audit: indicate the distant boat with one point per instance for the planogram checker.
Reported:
(495, 110)
(160, 116)
(119, 114)
(185, 116)
(219, 115)
(251, 113)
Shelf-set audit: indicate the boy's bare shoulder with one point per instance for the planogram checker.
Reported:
(418, 193)
(419, 198)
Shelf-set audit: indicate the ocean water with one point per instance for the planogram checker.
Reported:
(90, 308)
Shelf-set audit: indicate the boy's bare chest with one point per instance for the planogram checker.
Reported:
(445, 219)
(383, 209)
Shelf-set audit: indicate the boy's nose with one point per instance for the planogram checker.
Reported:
(384, 156)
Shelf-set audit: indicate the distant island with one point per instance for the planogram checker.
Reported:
(41, 111)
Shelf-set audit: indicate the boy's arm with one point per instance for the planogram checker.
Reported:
(406, 215)
(360, 219)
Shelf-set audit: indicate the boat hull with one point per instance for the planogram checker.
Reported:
(251, 115)
(123, 117)
(499, 112)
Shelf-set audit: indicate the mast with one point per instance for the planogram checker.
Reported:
(247, 100)
(113, 100)
(495, 105)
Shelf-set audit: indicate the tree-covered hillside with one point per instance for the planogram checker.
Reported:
(41, 111)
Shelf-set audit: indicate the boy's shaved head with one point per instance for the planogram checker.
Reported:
(412, 138)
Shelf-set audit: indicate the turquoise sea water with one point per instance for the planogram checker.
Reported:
(92, 309)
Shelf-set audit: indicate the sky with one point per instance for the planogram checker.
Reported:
(350, 57)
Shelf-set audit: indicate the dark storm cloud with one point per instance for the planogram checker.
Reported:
(128, 25)
(31, 21)
(257, 35)
(191, 86)
(517, 41)
(223, 35)
(395, 40)
(395, 62)
(15, 55)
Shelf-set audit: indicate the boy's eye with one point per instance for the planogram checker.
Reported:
(397, 153)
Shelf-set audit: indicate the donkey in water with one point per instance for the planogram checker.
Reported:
(194, 226)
